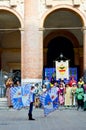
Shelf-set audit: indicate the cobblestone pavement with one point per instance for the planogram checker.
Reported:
(62, 119)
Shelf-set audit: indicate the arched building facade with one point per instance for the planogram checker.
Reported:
(34, 33)
(11, 27)
(64, 25)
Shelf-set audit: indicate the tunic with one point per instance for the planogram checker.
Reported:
(68, 96)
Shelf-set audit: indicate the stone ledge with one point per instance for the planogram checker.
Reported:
(3, 99)
(3, 103)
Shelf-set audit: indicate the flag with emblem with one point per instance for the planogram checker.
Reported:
(62, 69)
(49, 101)
(20, 96)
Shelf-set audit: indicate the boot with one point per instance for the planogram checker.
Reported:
(30, 117)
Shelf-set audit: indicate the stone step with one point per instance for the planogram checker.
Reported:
(3, 103)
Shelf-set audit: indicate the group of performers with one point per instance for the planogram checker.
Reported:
(69, 94)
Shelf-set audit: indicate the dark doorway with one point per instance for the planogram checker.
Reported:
(57, 46)
(16, 76)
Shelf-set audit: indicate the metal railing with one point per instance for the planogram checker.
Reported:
(2, 85)
(4, 76)
(2, 91)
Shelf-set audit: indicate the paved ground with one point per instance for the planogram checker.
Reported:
(65, 119)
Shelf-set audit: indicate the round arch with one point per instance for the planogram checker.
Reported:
(16, 14)
(60, 33)
(65, 7)
(64, 33)
(14, 37)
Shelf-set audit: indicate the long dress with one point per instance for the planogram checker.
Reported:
(8, 97)
(73, 90)
(68, 96)
(9, 84)
(61, 96)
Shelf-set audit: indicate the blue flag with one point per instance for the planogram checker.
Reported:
(49, 100)
(20, 96)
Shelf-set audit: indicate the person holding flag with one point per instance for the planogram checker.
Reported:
(32, 99)
(49, 99)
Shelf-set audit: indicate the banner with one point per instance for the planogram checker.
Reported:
(49, 101)
(62, 70)
(20, 96)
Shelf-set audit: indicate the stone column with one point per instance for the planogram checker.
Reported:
(84, 50)
(81, 60)
(22, 54)
(45, 56)
(32, 48)
(0, 57)
(76, 53)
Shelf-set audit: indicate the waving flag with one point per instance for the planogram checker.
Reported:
(49, 100)
(20, 96)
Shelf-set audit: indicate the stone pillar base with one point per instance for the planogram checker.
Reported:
(31, 81)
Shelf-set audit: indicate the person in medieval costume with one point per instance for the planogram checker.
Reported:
(80, 97)
(73, 91)
(67, 95)
(9, 84)
(61, 94)
(32, 99)
(72, 81)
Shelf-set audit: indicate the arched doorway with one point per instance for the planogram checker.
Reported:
(57, 46)
(10, 44)
(64, 27)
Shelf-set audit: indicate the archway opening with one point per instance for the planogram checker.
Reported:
(10, 45)
(63, 34)
(57, 46)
